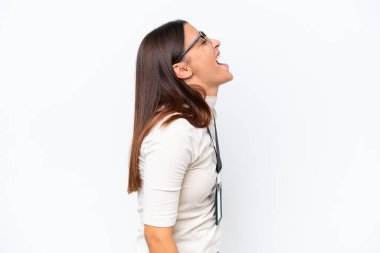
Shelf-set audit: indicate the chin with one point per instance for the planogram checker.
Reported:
(231, 77)
(227, 78)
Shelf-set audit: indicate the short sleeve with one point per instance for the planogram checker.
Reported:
(167, 155)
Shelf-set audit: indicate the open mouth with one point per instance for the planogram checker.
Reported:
(218, 60)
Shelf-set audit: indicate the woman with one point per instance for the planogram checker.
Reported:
(174, 148)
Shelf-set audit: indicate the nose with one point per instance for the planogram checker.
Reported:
(216, 43)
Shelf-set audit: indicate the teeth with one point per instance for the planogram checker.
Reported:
(218, 58)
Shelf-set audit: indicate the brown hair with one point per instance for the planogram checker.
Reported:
(159, 92)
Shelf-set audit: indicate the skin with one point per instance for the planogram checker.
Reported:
(199, 67)
(160, 239)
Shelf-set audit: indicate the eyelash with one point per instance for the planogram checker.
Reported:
(204, 41)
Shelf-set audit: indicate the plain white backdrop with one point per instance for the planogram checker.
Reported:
(298, 126)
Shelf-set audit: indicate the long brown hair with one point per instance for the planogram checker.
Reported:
(159, 92)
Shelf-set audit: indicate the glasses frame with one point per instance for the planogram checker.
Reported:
(200, 34)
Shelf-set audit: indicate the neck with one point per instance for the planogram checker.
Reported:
(212, 91)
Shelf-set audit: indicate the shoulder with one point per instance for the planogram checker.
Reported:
(177, 133)
(177, 139)
(177, 126)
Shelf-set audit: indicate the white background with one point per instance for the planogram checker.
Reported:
(298, 126)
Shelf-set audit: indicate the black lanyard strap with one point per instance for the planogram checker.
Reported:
(217, 152)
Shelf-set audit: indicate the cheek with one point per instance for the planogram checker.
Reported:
(203, 65)
(205, 62)
(209, 60)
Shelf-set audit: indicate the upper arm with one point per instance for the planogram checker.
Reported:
(157, 232)
(167, 155)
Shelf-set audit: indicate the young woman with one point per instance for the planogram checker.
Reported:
(174, 159)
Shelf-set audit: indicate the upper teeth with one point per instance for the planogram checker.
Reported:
(217, 58)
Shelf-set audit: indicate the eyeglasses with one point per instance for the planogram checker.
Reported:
(201, 34)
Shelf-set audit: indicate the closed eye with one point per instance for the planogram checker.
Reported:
(204, 41)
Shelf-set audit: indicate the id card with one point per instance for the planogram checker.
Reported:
(218, 203)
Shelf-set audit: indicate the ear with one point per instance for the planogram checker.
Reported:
(182, 70)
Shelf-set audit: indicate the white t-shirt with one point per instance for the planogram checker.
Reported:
(177, 168)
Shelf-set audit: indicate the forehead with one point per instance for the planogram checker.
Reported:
(190, 33)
